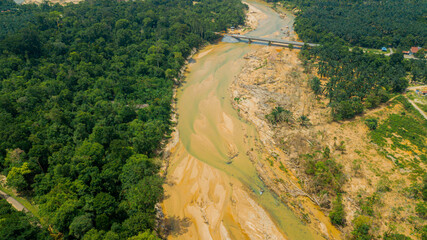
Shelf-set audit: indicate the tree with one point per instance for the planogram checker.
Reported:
(18, 224)
(85, 89)
(145, 194)
(136, 168)
(147, 235)
(279, 115)
(16, 177)
(80, 225)
(316, 85)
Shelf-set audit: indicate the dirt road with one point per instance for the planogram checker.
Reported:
(17, 205)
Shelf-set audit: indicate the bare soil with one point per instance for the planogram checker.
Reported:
(274, 77)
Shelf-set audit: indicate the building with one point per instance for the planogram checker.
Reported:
(405, 52)
(414, 50)
(384, 49)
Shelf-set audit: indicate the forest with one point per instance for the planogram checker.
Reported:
(85, 103)
(356, 80)
(374, 24)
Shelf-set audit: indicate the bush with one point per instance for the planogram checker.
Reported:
(362, 225)
(424, 190)
(372, 123)
(346, 109)
(424, 233)
(372, 100)
(421, 210)
(279, 115)
(337, 215)
(304, 120)
(395, 236)
(367, 205)
(316, 86)
(327, 173)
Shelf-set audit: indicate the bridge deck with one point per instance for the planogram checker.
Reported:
(269, 40)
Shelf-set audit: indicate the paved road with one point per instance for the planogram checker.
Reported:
(270, 40)
(17, 205)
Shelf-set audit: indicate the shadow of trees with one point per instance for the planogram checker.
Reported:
(176, 226)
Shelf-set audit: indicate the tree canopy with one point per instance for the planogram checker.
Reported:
(375, 24)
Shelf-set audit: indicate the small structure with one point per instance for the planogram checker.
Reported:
(405, 52)
(384, 49)
(232, 28)
(414, 50)
(424, 93)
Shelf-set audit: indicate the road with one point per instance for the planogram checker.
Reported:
(418, 109)
(270, 40)
(416, 87)
(17, 205)
(415, 105)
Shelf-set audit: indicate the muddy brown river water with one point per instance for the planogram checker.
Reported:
(213, 190)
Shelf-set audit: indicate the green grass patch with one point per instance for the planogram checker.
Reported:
(422, 106)
(398, 128)
(406, 131)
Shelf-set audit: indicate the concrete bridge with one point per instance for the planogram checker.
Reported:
(270, 41)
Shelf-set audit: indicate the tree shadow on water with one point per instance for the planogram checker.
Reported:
(176, 226)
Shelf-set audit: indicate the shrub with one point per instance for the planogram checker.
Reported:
(395, 236)
(337, 215)
(367, 205)
(327, 173)
(424, 190)
(279, 115)
(362, 225)
(372, 123)
(421, 210)
(316, 86)
(372, 100)
(304, 120)
(424, 232)
(346, 109)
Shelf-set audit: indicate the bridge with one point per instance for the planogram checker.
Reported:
(270, 41)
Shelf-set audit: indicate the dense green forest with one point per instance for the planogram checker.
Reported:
(371, 23)
(85, 102)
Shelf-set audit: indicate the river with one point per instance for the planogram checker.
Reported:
(213, 190)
